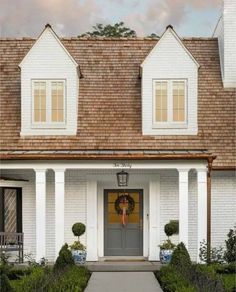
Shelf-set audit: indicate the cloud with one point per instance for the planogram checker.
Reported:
(72, 17)
(28, 17)
(163, 12)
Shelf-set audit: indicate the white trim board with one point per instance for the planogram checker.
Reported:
(99, 164)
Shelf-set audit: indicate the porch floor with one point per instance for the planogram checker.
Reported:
(123, 266)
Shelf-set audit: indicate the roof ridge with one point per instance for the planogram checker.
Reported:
(106, 39)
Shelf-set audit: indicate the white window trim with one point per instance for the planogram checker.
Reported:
(48, 124)
(169, 124)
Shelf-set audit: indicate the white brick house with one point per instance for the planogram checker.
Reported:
(78, 111)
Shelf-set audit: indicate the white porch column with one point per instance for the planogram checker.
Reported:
(59, 209)
(201, 207)
(92, 226)
(154, 219)
(40, 184)
(183, 206)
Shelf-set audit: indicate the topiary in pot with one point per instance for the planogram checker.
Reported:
(77, 248)
(78, 229)
(167, 247)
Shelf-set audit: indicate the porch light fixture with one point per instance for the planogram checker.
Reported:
(122, 178)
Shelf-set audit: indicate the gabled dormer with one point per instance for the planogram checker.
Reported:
(169, 88)
(49, 88)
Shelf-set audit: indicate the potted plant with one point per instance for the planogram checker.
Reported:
(167, 247)
(78, 250)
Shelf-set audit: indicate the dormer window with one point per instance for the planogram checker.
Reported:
(49, 88)
(48, 103)
(169, 103)
(169, 88)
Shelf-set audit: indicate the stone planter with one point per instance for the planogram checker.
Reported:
(166, 255)
(79, 256)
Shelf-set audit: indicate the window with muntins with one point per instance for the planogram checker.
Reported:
(48, 103)
(170, 103)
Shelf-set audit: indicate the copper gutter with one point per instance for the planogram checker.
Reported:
(120, 156)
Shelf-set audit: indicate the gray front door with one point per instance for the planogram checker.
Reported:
(123, 239)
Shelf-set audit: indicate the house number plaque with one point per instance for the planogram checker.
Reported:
(122, 165)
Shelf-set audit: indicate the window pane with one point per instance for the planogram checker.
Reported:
(43, 115)
(40, 101)
(178, 101)
(60, 116)
(57, 110)
(37, 115)
(161, 101)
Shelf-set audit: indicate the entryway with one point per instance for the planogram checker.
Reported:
(123, 223)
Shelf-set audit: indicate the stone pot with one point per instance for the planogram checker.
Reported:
(79, 256)
(166, 255)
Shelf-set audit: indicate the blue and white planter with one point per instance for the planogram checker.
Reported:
(166, 255)
(79, 256)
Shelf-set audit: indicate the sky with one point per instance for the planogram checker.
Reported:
(27, 18)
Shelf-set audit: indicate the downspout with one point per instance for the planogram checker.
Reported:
(210, 161)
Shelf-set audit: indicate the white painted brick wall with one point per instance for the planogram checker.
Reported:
(169, 200)
(169, 61)
(75, 203)
(223, 205)
(48, 60)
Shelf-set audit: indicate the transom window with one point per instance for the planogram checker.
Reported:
(169, 102)
(48, 102)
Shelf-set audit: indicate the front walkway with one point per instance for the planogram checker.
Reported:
(123, 282)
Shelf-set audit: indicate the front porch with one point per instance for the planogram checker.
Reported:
(57, 194)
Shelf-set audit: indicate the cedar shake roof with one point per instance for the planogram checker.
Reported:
(109, 103)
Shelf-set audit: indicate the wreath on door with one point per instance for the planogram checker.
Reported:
(124, 199)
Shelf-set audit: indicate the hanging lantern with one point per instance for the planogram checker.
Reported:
(122, 178)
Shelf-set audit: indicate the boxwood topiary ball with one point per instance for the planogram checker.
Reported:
(78, 229)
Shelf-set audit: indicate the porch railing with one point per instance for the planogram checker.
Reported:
(12, 242)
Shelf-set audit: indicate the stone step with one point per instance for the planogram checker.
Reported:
(124, 266)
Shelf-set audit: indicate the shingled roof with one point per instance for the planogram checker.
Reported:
(109, 100)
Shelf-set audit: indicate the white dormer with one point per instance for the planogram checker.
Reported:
(226, 33)
(169, 88)
(49, 88)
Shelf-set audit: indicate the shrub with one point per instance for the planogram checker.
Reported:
(5, 283)
(32, 282)
(73, 279)
(181, 259)
(172, 281)
(64, 259)
(226, 269)
(204, 278)
(171, 228)
(78, 229)
(230, 254)
(216, 254)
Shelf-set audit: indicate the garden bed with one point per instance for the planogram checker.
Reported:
(72, 278)
(64, 275)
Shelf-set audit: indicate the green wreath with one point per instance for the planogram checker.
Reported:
(131, 204)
